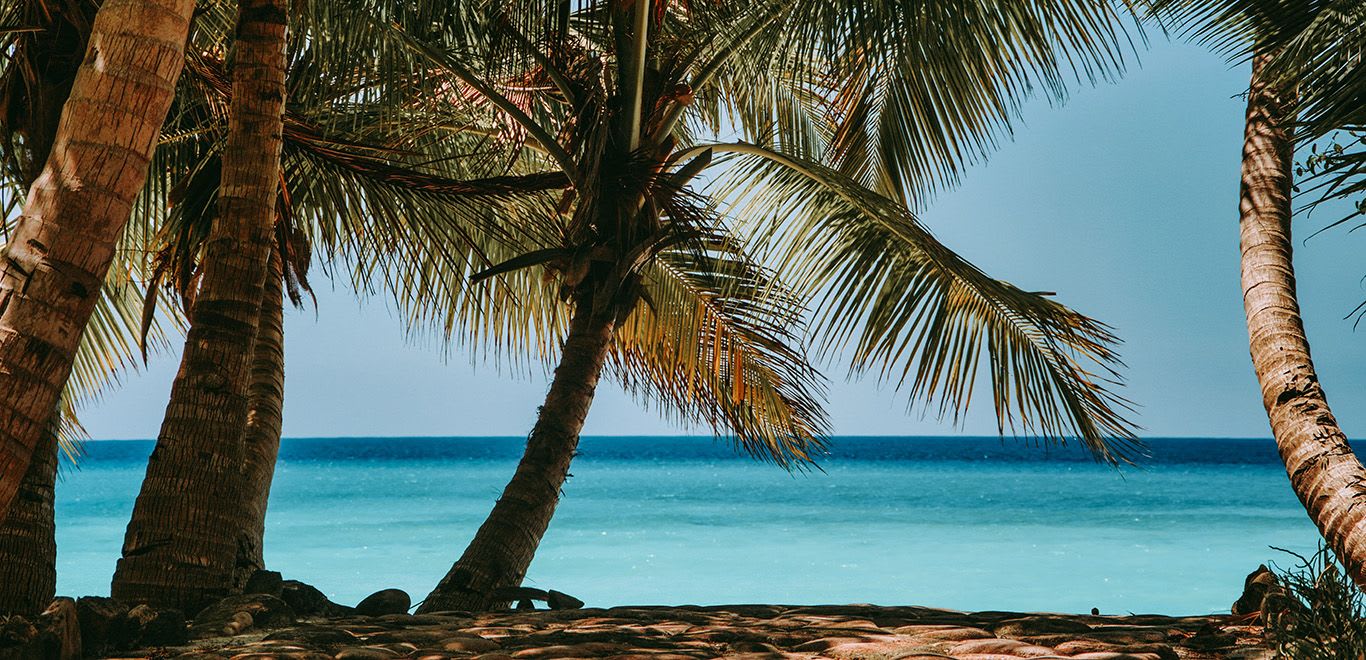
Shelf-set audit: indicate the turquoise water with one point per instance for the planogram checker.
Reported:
(965, 523)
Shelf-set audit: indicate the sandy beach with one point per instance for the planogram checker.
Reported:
(755, 632)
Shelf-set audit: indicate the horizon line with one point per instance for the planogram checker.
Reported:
(703, 436)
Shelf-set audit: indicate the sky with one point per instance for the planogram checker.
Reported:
(1124, 201)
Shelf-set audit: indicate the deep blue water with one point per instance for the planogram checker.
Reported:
(967, 523)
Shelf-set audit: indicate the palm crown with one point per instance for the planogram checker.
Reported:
(714, 250)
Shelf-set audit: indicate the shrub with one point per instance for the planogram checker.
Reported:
(1318, 613)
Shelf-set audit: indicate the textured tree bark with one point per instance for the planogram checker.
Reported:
(265, 408)
(1324, 472)
(59, 252)
(185, 540)
(28, 546)
(505, 544)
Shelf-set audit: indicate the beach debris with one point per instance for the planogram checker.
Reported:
(266, 612)
(1210, 637)
(237, 623)
(385, 601)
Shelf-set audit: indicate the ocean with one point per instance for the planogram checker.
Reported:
(962, 523)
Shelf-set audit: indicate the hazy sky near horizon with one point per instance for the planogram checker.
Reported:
(1123, 201)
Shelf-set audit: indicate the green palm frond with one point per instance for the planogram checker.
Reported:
(921, 316)
(719, 342)
(41, 44)
(915, 92)
(1316, 46)
(1326, 57)
(71, 435)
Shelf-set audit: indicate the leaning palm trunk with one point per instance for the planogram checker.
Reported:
(1323, 471)
(505, 544)
(266, 398)
(57, 257)
(28, 544)
(28, 547)
(186, 535)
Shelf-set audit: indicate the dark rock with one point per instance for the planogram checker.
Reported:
(563, 601)
(265, 582)
(19, 639)
(59, 624)
(306, 599)
(1095, 611)
(1255, 588)
(525, 604)
(104, 625)
(386, 601)
(266, 612)
(53, 635)
(152, 627)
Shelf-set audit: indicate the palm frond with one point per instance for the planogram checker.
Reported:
(913, 93)
(921, 316)
(721, 343)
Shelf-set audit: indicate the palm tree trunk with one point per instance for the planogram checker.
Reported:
(1324, 472)
(185, 540)
(28, 544)
(265, 408)
(28, 547)
(505, 544)
(57, 256)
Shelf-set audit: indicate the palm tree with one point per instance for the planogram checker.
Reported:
(44, 43)
(265, 415)
(37, 79)
(28, 545)
(338, 191)
(63, 243)
(1305, 59)
(850, 114)
(201, 438)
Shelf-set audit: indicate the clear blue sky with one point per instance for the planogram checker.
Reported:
(1124, 201)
